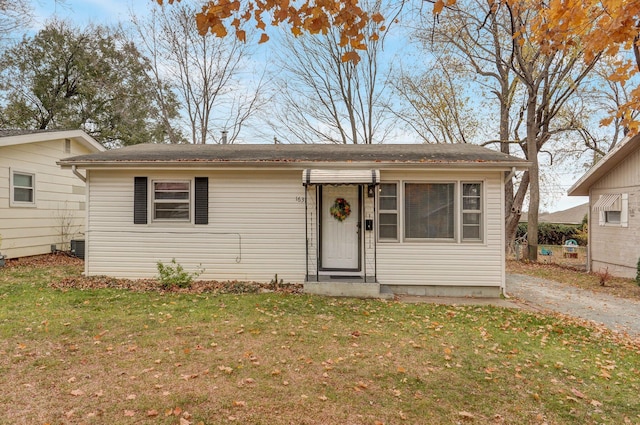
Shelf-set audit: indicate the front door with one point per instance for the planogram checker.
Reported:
(340, 238)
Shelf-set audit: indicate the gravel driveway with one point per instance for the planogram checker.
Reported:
(618, 314)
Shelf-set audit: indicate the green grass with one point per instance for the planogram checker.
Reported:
(118, 357)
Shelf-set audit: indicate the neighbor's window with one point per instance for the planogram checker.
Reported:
(171, 200)
(23, 188)
(429, 210)
(388, 212)
(613, 209)
(612, 217)
(471, 211)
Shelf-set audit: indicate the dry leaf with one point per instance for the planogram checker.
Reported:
(129, 413)
(466, 415)
(77, 393)
(152, 413)
(577, 393)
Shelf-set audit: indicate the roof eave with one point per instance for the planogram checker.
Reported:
(506, 165)
(606, 164)
(78, 135)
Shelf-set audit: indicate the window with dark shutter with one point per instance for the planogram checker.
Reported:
(202, 200)
(140, 200)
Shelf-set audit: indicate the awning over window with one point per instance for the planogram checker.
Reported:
(340, 177)
(608, 202)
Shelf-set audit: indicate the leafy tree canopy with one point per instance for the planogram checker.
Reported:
(66, 78)
(604, 27)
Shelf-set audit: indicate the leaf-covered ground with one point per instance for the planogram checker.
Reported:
(116, 356)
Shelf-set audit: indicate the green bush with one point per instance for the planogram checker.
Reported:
(638, 272)
(174, 275)
(555, 234)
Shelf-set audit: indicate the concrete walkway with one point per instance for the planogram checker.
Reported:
(618, 314)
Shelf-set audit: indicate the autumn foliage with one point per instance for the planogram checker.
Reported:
(220, 16)
(600, 27)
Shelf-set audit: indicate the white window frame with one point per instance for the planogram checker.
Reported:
(603, 217)
(479, 212)
(458, 212)
(395, 211)
(188, 202)
(12, 187)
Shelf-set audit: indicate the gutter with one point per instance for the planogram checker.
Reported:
(209, 165)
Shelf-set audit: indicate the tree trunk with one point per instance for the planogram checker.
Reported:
(534, 182)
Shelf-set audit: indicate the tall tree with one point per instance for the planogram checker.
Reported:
(325, 99)
(531, 86)
(90, 78)
(203, 71)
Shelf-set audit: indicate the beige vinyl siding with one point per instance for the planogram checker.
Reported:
(448, 263)
(31, 230)
(255, 230)
(616, 248)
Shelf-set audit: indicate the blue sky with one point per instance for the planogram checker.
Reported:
(112, 11)
(86, 11)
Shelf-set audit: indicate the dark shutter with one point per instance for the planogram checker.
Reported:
(140, 200)
(202, 200)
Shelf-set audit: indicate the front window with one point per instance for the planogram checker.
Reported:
(23, 188)
(429, 211)
(171, 200)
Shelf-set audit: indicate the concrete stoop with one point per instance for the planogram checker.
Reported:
(346, 289)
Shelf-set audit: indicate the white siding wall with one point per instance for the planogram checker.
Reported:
(617, 248)
(59, 196)
(448, 263)
(255, 230)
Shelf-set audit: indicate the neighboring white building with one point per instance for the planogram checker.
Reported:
(423, 219)
(40, 204)
(613, 187)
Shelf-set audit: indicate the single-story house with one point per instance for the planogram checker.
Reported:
(417, 219)
(41, 205)
(613, 187)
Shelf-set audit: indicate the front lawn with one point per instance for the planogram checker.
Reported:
(114, 356)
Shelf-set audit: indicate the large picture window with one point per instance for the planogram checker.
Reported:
(171, 200)
(388, 215)
(23, 188)
(435, 211)
(429, 210)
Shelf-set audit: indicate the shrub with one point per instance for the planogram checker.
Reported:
(174, 275)
(555, 234)
(638, 272)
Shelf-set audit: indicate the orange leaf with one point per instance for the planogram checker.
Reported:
(377, 17)
(351, 56)
(263, 38)
(438, 6)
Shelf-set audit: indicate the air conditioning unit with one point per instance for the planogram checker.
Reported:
(77, 248)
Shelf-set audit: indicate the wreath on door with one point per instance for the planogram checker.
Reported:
(340, 209)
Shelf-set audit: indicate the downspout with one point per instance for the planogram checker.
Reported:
(75, 171)
(504, 272)
(306, 232)
(510, 175)
(318, 215)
